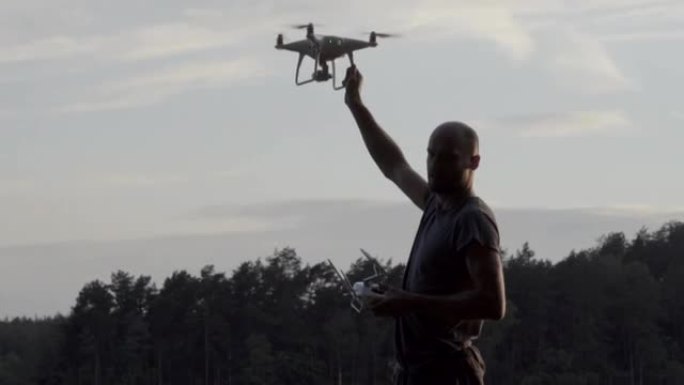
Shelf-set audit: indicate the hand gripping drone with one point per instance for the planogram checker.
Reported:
(369, 287)
(323, 49)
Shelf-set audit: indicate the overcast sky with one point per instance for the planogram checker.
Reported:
(129, 119)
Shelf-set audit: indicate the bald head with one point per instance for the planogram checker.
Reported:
(453, 156)
(456, 134)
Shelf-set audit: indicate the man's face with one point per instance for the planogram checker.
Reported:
(447, 165)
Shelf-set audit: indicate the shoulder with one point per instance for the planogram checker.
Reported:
(478, 209)
(476, 223)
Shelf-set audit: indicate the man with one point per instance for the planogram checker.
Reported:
(453, 279)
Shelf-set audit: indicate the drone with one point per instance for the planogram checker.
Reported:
(367, 288)
(323, 49)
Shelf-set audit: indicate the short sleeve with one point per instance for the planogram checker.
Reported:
(476, 226)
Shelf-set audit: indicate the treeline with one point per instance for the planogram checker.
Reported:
(611, 314)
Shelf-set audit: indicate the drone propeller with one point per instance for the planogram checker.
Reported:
(304, 26)
(382, 34)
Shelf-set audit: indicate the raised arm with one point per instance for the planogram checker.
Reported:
(384, 151)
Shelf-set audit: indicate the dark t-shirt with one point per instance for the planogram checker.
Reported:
(437, 266)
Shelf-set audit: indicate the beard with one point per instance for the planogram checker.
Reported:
(443, 187)
(447, 186)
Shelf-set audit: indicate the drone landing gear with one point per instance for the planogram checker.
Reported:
(299, 64)
(323, 74)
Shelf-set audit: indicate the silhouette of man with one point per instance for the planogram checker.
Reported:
(453, 279)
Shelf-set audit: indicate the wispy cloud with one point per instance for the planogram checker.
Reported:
(113, 180)
(622, 12)
(576, 59)
(158, 179)
(115, 38)
(273, 210)
(579, 61)
(174, 39)
(155, 87)
(603, 10)
(643, 36)
(492, 22)
(632, 209)
(582, 123)
(569, 124)
(147, 42)
(143, 180)
(53, 47)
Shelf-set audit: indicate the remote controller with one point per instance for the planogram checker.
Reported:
(365, 290)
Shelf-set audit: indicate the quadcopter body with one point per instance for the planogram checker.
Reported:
(323, 49)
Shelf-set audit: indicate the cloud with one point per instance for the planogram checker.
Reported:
(652, 12)
(79, 183)
(175, 39)
(318, 208)
(576, 59)
(569, 124)
(583, 123)
(143, 180)
(143, 43)
(643, 36)
(155, 87)
(116, 46)
(636, 209)
(285, 214)
(109, 35)
(48, 48)
(580, 62)
(492, 22)
(593, 10)
(152, 179)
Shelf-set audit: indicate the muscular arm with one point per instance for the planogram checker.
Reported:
(384, 151)
(486, 300)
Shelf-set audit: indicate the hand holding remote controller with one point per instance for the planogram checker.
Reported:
(368, 290)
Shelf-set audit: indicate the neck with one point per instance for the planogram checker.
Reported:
(455, 199)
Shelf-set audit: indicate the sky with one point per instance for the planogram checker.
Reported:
(136, 121)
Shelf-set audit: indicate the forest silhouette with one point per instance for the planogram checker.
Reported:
(610, 314)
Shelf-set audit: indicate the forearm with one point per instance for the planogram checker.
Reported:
(384, 151)
(451, 309)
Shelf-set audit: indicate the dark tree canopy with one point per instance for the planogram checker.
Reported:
(611, 314)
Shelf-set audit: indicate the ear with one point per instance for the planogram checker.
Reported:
(474, 162)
